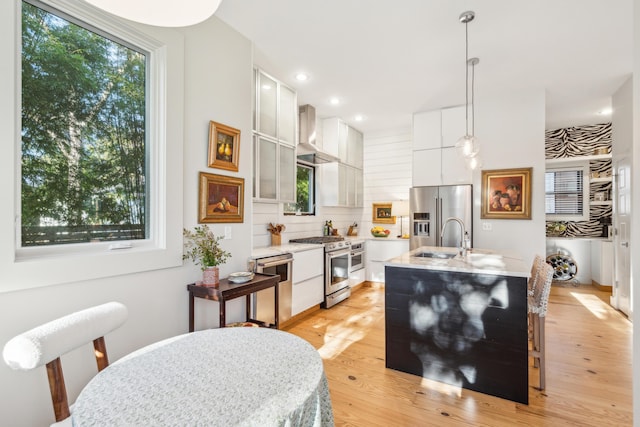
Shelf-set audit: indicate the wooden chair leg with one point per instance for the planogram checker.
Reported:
(100, 350)
(58, 390)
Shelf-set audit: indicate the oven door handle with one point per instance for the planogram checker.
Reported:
(274, 263)
(355, 253)
(338, 253)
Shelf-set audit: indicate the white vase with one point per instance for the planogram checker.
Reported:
(211, 276)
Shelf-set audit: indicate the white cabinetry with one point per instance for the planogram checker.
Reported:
(435, 160)
(274, 134)
(380, 250)
(426, 130)
(341, 183)
(454, 125)
(602, 262)
(357, 277)
(308, 280)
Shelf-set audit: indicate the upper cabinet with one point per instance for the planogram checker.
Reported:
(288, 115)
(274, 139)
(342, 141)
(341, 183)
(435, 160)
(427, 130)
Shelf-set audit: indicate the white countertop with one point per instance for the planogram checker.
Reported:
(483, 261)
(385, 239)
(283, 249)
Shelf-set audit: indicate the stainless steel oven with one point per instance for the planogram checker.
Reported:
(281, 265)
(357, 256)
(337, 266)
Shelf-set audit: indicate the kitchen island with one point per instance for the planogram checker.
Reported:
(459, 320)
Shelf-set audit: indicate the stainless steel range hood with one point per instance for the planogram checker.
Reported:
(308, 151)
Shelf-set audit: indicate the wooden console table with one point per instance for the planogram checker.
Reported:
(227, 290)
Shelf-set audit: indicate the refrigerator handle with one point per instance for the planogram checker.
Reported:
(437, 223)
(441, 223)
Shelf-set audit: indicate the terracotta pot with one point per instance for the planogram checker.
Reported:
(210, 276)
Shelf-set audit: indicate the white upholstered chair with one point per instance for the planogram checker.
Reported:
(43, 345)
(538, 263)
(537, 307)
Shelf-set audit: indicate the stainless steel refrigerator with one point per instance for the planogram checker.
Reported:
(431, 206)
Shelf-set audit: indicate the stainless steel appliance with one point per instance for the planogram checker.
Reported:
(357, 256)
(308, 151)
(431, 206)
(281, 265)
(337, 264)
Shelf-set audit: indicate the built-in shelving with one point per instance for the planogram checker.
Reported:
(602, 179)
(602, 203)
(577, 159)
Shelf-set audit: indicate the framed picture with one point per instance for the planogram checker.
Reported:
(506, 194)
(382, 213)
(221, 198)
(224, 147)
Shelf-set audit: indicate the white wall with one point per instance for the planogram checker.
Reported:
(635, 207)
(217, 86)
(387, 176)
(510, 128)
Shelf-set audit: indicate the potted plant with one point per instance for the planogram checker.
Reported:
(202, 247)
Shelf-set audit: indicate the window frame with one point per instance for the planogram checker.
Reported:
(27, 267)
(312, 186)
(584, 169)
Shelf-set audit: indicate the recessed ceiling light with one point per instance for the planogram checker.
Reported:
(605, 112)
(301, 77)
(334, 101)
(359, 117)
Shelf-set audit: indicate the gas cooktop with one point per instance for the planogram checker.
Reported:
(318, 239)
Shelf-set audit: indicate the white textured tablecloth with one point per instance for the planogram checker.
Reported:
(217, 377)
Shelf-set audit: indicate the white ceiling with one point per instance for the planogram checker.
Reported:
(386, 60)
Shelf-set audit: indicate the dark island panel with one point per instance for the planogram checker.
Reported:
(464, 329)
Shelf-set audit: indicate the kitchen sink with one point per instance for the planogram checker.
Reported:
(440, 255)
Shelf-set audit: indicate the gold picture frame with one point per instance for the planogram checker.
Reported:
(382, 213)
(224, 146)
(221, 198)
(506, 194)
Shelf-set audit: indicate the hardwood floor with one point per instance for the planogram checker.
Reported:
(589, 370)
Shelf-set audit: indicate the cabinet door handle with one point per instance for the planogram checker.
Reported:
(625, 244)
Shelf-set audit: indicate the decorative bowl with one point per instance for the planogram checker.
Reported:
(240, 277)
(379, 234)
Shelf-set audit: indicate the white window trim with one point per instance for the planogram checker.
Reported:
(584, 167)
(22, 268)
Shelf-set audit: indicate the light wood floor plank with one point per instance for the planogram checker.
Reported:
(588, 369)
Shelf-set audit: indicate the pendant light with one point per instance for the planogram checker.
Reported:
(161, 13)
(468, 144)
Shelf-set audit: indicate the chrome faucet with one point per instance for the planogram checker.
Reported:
(463, 234)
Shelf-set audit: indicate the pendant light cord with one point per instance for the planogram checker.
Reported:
(466, 75)
(473, 111)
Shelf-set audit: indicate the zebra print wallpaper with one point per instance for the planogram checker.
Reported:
(582, 141)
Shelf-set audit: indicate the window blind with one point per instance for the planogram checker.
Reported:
(564, 192)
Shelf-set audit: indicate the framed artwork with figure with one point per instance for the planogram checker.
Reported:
(221, 198)
(224, 146)
(506, 194)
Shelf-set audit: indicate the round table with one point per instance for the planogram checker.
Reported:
(216, 377)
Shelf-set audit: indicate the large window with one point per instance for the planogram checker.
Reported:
(566, 194)
(84, 120)
(305, 191)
